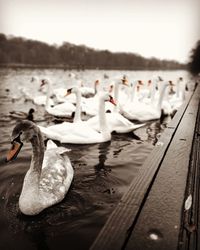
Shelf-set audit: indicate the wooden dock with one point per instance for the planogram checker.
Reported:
(151, 214)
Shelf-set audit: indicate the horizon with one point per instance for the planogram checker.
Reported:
(163, 31)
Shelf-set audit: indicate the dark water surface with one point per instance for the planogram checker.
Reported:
(102, 173)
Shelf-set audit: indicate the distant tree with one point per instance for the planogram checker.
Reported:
(194, 64)
(21, 51)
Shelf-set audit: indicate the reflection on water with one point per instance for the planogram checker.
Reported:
(103, 172)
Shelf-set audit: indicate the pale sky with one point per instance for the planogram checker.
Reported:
(165, 29)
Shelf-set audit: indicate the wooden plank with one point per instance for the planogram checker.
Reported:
(177, 118)
(162, 211)
(189, 236)
(117, 228)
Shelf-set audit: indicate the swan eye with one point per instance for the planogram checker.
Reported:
(17, 139)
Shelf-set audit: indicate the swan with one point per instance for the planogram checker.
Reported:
(89, 92)
(60, 110)
(80, 132)
(178, 98)
(90, 105)
(116, 122)
(41, 99)
(145, 112)
(118, 93)
(50, 174)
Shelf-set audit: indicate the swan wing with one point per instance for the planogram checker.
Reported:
(56, 176)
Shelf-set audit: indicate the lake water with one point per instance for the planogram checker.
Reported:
(103, 171)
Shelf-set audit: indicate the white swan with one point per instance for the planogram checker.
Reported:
(90, 105)
(178, 98)
(42, 99)
(116, 122)
(64, 109)
(80, 132)
(145, 112)
(89, 92)
(50, 174)
(119, 94)
(60, 110)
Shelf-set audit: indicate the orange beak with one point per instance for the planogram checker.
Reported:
(112, 100)
(125, 82)
(14, 150)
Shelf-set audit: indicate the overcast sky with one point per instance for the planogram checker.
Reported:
(166, 29)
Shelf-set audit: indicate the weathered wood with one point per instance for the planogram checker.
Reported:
(162, 211)
(119, 225)
(189, 237)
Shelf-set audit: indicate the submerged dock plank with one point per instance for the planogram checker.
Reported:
(119, 230)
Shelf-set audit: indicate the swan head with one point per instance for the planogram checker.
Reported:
(23, 131)
(180, 79)
(149, 82)
(170, 83)
(124, 81)
(106, 97)
(157, 78)
(140, 82)
(96, 82)
(44, 81)
(72, 90)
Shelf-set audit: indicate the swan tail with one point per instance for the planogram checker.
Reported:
(51, 144)
(59, 150)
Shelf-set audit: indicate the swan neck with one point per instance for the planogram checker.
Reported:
(77, 116)
(95, 88)
(38, 153)
(48, 94)
(178, 89)
(162, 93)
(153, 91)
(116, 95)
(102, 118)
(133, 91)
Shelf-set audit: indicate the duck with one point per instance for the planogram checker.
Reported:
(50, 173)
(22, 115)
(80, 132)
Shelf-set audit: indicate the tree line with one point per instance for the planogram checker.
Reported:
(194, 63)
(25, 52)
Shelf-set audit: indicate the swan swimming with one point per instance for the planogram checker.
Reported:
(50, 174)
(80, 132)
